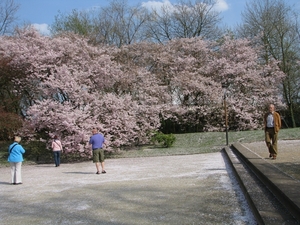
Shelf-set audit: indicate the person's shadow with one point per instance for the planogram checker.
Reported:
(4, 183)
(80, 172)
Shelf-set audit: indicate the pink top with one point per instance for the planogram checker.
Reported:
(56, 145)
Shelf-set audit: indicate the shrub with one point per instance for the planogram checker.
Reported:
(37, 151)
(9, 124)
(165, 140)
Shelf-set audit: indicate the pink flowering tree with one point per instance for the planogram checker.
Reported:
(74, 87)
(191, 73)
(181, 90)
(250, 85)
(70, 86)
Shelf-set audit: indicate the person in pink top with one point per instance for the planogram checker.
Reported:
(57, 149)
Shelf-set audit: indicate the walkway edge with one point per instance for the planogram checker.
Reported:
(283, 187)
(239, 172)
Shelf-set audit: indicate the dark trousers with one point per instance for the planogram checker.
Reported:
(57, 157)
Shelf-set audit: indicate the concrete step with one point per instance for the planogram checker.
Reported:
(260, 182)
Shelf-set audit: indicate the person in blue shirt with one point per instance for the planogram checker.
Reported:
(97, 141)
(15, 158)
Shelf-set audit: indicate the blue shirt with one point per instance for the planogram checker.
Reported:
(16, 155)
(97, 141)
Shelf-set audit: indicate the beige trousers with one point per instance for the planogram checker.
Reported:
(15, 169)
(271, 139)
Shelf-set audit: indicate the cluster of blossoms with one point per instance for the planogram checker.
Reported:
(72, 86)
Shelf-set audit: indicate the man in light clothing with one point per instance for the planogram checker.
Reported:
(272, 123)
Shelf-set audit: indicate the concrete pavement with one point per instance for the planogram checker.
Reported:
(188, 189)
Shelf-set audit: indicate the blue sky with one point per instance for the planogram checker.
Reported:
(41, 13)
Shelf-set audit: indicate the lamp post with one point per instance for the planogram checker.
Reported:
(224, 87)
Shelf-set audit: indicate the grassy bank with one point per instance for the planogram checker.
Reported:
(192, 143)
(198, 143)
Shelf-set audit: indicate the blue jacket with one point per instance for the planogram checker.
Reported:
(16, 155)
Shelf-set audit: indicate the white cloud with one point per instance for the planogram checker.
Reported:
(221, 5)
(42, 28)
(157, 5)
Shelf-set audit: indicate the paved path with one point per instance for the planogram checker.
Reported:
(288, 158)
(191, 189)
(280, 177)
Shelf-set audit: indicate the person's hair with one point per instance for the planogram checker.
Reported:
(272, 106)
(55, 137)
(17, 139)
(94, 130)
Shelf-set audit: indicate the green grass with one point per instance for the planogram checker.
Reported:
(192, 143)
(198, 143)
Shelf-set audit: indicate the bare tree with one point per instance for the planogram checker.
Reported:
(8, 10)
(79, 22)
(117, 24)
(275, 24)
(184, 20)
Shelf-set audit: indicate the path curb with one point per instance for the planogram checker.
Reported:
(283, 187)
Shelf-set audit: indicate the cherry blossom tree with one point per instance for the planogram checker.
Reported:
(71, 86)
(75, 88)
(251, 85)
(192, 72)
